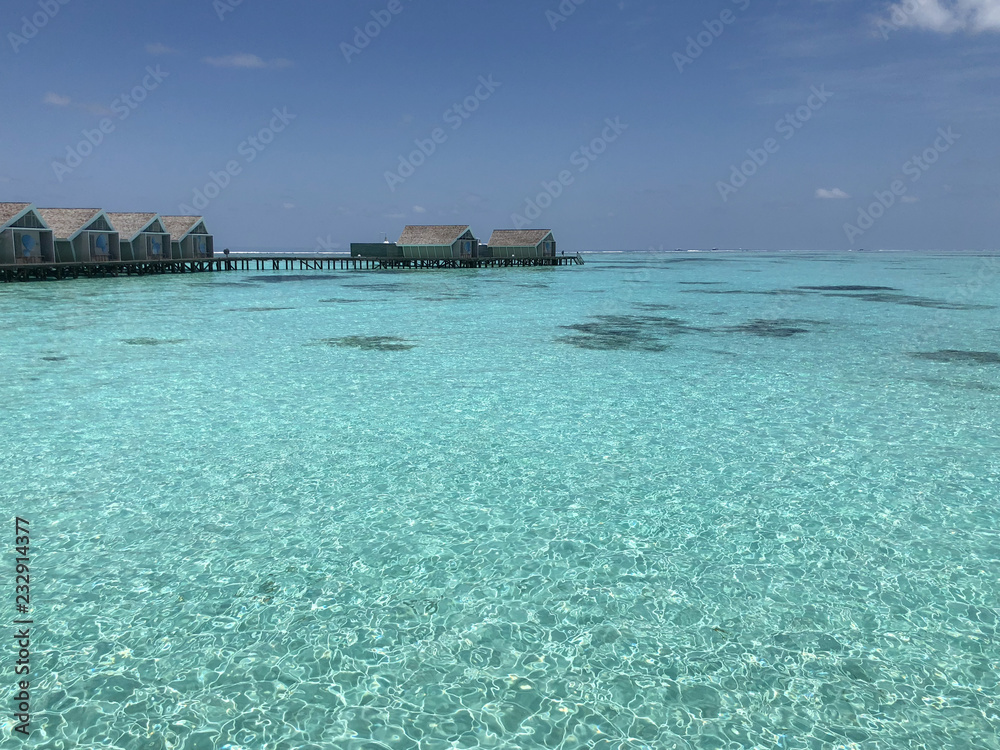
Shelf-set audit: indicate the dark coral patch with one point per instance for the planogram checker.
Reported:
(291, 279)
(152, 342)
(955, 356)
(653, 307)
(967, 385)
(626, 332)
(614, 341)
(906, 299)
(645, 332)
(781, 328)
(765, 293)
(612, 333)
(379, 287)
(848, 288)
(368, 343)
(714, 291)
(258, 309)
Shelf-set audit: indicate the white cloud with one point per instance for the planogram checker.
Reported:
(57, 100)
(288, 206)
(834, 194)
(946, 16)
(156, 48)
(419, 210)
(910, 199)
(247, 62)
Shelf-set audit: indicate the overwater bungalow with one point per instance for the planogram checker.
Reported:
(188, 237)
(438, 242)
(82, 235)
(25, 238)
(522, 243)
(142, 236)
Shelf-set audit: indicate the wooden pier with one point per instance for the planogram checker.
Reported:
(245, 262)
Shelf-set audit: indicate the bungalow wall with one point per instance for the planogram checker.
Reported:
(514, 252)
(81, 248)
(194, 247)
(92, 247)
(428, 252)
(7, 247)
(203, 245)
(19, 246)
(546, 249)
(104, 246)
(146, 246)
(183, 250)
(466, 246)
(152, 246)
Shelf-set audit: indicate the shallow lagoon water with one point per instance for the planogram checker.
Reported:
(659, 501)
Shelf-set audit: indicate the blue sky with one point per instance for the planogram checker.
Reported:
(734, 123)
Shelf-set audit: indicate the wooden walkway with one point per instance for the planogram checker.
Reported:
(241, 262)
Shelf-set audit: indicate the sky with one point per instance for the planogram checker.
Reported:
(619, 124)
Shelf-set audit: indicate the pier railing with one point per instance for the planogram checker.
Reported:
(263, 262)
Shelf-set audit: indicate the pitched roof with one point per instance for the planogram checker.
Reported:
(518, 237)
(180, 226)
(66, 223)
(9, 210)
(436, 235)
(130, 225)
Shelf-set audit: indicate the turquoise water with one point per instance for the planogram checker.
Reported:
(659, 501)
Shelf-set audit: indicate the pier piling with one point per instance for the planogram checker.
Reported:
(59, 271)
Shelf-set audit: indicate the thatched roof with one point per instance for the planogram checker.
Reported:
(130, 225)
(437, 235)
(180, 226)
(9, 210)
(519, 237)
(66, 223)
